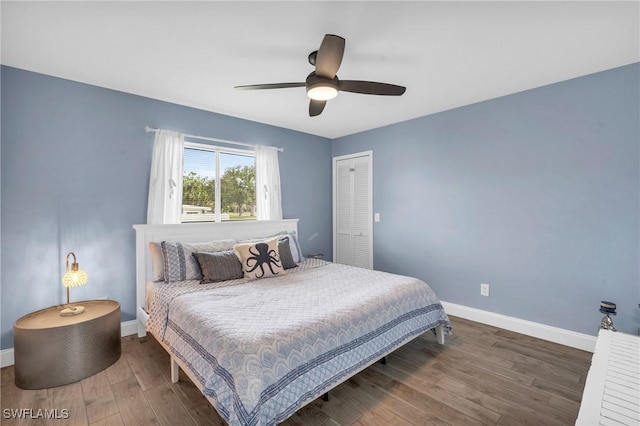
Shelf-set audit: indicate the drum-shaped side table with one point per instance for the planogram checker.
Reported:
(53, 350)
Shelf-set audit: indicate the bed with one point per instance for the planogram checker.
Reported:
(260, 349)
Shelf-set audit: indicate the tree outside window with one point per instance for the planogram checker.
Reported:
(211, 193)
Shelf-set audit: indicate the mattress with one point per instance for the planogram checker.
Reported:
(262, 349)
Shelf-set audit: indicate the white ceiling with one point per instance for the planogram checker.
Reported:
(447, 54)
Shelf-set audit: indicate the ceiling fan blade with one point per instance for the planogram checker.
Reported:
(329, 56)
(316, 107)
(270, 86)
(371, 88)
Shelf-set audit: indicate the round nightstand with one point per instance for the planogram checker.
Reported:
(53, 350)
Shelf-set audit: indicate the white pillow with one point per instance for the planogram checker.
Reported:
(296, 251)
(157, 261)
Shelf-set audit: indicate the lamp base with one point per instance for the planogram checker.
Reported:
(607, 323)
(72, 310)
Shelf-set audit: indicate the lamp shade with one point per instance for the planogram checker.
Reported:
(74, 278)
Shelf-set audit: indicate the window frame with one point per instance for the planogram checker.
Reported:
(217, 150)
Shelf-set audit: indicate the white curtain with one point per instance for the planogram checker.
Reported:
(268, 198)
(165, 183)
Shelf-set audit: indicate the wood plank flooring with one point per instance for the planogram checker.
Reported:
(482, 375)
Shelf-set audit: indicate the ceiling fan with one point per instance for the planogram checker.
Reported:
(323, 83)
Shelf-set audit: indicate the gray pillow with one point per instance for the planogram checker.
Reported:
(285, 254)
(219, 266)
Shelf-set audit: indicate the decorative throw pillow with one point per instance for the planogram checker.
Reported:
(219, 266)
(285, 253)
(260, 259)
(294, 246)
(180, 265)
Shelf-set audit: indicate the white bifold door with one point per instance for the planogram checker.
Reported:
(352, 210)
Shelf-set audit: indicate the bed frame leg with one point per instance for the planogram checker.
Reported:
(383, 360)
(440, 334)
(175, 371)
(325, 397)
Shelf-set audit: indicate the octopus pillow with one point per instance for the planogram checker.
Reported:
(260, 259)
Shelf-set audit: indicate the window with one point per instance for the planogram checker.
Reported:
(219, 184)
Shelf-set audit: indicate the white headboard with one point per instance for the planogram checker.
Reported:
(191, 233)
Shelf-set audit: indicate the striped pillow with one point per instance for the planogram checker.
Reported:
(180, 265)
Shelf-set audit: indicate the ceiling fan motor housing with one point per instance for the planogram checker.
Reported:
(312, 57)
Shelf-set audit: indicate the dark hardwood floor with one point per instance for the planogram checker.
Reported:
(482, 375)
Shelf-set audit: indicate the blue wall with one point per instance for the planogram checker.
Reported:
(75, 174)
(536, 193)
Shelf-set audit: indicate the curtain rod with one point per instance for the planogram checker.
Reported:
(148, 129)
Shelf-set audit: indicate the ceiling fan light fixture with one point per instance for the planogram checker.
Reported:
(322, 92)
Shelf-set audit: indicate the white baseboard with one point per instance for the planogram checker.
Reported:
(570, 338)
(6, 357)
(127, 328)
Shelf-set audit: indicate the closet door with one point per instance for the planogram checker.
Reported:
(353, 225)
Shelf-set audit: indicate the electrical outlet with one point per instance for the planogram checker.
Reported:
(484, 289)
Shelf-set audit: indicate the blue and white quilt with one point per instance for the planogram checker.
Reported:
(262, 349)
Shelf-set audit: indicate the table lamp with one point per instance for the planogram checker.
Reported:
(73, 277)
(608, 309)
